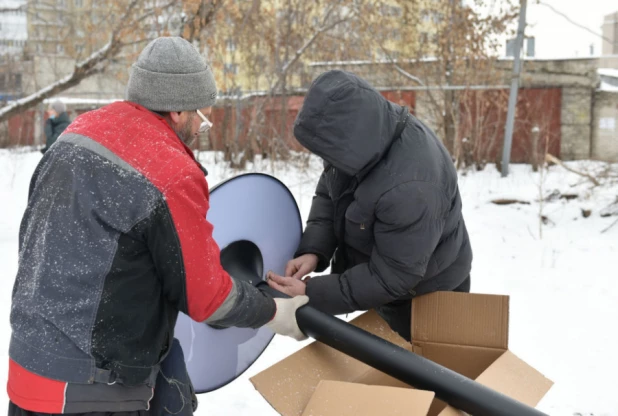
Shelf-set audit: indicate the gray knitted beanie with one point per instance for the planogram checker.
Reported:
(58, 106)
(171, 75)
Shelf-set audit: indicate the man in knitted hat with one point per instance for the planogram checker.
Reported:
(55, 124)
(115, 243)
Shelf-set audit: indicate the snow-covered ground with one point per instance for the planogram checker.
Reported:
(563, 286)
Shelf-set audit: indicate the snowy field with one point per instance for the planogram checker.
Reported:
(563, 286)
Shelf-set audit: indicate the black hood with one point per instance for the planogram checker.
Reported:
(346, 122)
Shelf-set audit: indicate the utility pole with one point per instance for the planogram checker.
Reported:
(510, 116)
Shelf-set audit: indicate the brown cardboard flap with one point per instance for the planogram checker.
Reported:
(469, 361)
(374, 377)
(372, 322)
(515, 378)
(289, 384)
(333, 398)
(451, 411)
(461, 318)
(466, 360)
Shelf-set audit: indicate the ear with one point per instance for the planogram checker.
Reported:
(175, 116)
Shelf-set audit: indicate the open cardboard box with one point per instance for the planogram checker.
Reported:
(465, 332)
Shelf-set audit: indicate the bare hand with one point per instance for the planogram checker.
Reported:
(288, 285)
(301, 266)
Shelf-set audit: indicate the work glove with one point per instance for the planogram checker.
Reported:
(284, 321)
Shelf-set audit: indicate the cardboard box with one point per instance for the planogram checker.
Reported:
(353, 399)
(467, 333)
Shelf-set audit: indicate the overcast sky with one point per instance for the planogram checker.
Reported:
(556, 37)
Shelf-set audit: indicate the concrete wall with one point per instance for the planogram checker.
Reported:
(605, 126)
(575, 123)
(566, 73)
(610, 33)
(609, 61)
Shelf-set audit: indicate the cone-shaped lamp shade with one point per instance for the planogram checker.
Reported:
(258, 227)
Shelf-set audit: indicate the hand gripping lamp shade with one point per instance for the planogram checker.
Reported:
(256, 221)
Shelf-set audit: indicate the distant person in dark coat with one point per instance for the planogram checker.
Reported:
(387, 208)
(57, 121)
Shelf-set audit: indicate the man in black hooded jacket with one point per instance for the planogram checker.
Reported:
(387, 208)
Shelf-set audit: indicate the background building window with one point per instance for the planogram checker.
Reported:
(230, 69)
(230, 45)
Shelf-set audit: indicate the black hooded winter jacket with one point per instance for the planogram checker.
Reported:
(387, 205)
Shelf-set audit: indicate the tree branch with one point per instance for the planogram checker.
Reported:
(553, 159)
(307, 44)
(13, 9)
(406, 73)
(393, 62)
(204, 14)
(81, 71)
(610, 226)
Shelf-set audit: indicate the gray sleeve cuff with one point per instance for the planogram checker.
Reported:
(327, 294)
(245, 307)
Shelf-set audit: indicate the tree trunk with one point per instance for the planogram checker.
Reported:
(450, 119)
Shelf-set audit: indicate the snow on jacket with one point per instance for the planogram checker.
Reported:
(113, 244)
(387, 205)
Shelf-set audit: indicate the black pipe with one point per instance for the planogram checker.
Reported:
(451, 387)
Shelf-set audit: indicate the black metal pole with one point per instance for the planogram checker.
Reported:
(451, 387)
(243, 260)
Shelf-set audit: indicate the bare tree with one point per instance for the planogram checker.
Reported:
(116, 32)
(198, 15)
(454, 50)
(260, 50)
(481, 126)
